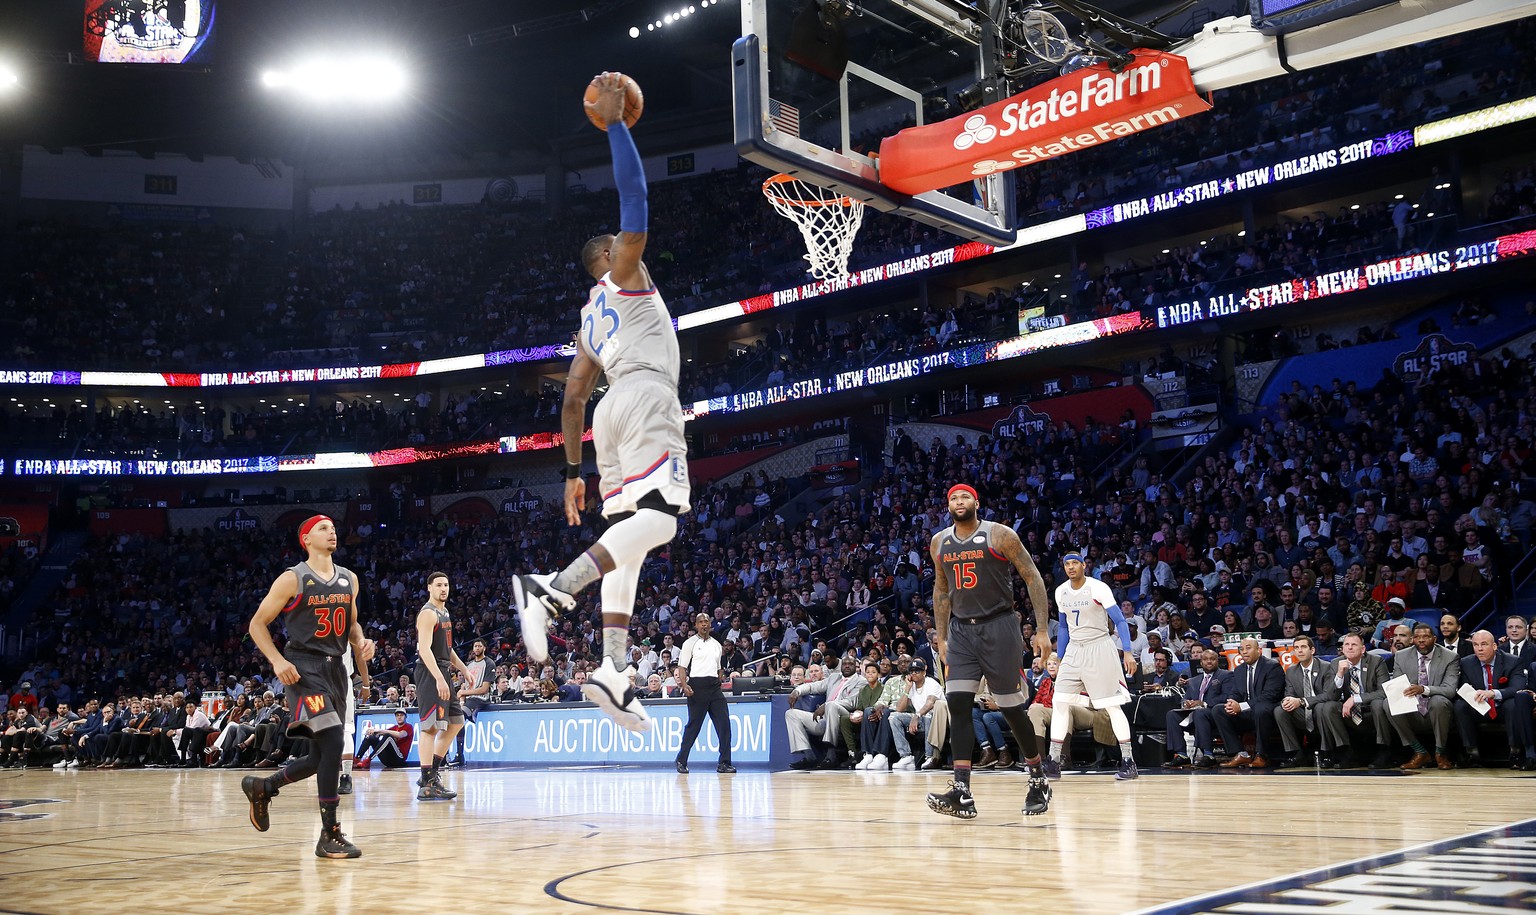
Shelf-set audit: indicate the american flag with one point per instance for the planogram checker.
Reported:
(784, 117)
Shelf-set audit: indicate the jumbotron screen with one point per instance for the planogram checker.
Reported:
(149, 31)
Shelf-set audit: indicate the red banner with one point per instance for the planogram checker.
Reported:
(24, 525)
(1082, 109)
(147, 521)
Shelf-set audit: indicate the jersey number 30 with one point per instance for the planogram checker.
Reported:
(328, 624)
(600, 325)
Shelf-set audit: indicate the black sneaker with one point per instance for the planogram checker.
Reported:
(255, 788)
(725, 769)
(431, 791)
(1127, 770)
(334, 844)
(447, 795)
(345, 786)
(1038, 800)
(956, 802)
(1051, 768)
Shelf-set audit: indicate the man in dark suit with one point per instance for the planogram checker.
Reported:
(1450, 635)
(1257, 688)
(1433, 676)
(1205, 691)
(1357, 702)
(1517, 641)
(1306, 687)
(1499, 680)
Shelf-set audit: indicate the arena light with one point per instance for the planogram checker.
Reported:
(1474, 121)
(372, 78)
(10, 79)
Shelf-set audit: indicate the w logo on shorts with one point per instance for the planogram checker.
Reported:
(315, 704)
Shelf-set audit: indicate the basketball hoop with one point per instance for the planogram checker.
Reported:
(828, 222)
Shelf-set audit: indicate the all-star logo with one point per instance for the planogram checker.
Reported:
(9, 805)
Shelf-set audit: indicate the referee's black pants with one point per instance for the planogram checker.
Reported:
(707, 699)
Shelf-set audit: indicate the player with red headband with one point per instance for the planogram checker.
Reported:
(979, 635)
(317, 600)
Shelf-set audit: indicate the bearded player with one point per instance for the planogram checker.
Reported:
(626, 332)
(1092, 671)
(316, 600)
(979, 635)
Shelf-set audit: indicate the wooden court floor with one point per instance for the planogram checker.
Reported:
(641, 840)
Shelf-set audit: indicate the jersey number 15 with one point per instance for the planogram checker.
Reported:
(965, 575)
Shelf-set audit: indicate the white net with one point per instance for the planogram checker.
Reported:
(828, 222)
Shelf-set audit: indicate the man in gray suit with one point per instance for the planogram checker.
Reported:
(1356, 703)
(1433, 675)
(1306, 687)
(808, 729)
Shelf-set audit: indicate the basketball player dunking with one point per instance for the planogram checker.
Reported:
(1091, 673)
(979, 636)
(626, 332)
(316, 600)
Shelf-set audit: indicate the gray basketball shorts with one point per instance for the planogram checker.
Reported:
(435, 711)
(993, 649)
(638, 431)
(319, 699)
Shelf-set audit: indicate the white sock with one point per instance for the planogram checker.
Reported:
(346, 765)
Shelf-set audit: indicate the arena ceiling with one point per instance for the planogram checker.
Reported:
(497, 77)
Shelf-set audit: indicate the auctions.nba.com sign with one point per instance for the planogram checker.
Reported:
(582, 734)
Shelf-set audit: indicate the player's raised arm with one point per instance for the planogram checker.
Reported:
(1011, 546)
(626, 268)
(279, 596)
(941, 600)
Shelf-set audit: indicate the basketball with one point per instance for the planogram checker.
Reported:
(634, 102)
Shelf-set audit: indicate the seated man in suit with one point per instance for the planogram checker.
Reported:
(1257, 688)
(1499, 680)
(806, 728)
(1433, 675)
(1306, 688)
(1204, 692)
(1357, 705)
(1517, 641)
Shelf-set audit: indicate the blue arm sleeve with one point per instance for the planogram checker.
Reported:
(1120, 625)
(629, 178)
(1063, 637)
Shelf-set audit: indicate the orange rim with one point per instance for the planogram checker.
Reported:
(770, 190)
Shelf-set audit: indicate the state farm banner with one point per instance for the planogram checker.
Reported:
(1082, 109)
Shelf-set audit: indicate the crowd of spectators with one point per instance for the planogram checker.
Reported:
(1337, 513)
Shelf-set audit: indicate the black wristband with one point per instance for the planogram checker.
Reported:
(572, 471)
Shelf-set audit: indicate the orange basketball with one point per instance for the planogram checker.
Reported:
(634, 102)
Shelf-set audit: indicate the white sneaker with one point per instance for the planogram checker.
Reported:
(864, 763)
(74, 764)
(61, 764)
(881, 763)
(905, 764)
(538, 603)
(609, 689)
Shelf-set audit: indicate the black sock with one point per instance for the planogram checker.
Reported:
(328, 815)
(437, 763)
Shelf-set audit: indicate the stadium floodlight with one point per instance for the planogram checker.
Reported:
(10, 80)
(348, 79)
